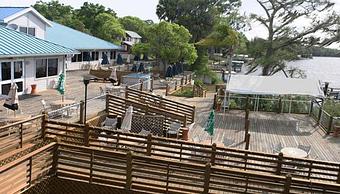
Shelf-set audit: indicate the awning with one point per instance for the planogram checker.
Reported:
(271, 85)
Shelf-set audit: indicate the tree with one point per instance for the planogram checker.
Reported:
(108, 28)
(88, 13)
(169, 43)
(284, 36)
(134, 24)
(198, 16)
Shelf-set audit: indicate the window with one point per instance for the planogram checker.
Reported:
(27, 30)
(46, 67)
(74, 58)
(6, 71)
(17, 69)
(79, 58)
(95, 56)
(113, 55)
(86, 56)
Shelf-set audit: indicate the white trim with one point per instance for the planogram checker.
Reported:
(22, 12)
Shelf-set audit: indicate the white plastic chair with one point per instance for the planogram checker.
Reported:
(174, 129)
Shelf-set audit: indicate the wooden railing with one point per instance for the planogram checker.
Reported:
(16, 135)
(161, 103)
(182, 151)
(117, 106)
(27, 170)
(325, 120)
(136, 173)
(199, 91)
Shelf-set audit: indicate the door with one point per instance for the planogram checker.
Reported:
(11, 71)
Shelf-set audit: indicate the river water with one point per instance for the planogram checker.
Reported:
(325, 69)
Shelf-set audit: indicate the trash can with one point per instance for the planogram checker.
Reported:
(33, 88)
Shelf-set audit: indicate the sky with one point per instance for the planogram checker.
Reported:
(146, 9)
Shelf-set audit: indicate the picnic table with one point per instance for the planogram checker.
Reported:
(294, 152)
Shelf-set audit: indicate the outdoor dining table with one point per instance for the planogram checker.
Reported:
(294, 152)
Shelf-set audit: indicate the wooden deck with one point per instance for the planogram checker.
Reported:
(266, 129)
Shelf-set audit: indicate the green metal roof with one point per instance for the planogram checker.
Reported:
(17, 44)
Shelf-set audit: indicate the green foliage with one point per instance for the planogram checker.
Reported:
(284, 38)
(332, 107)
(170, 43)
(109, 28)
(198, 16)
(141, 48)
(135, 24)
(198, 82)
(223, 36)
(186, 92)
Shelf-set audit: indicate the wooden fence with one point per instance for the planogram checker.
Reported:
(182, 151)
(144, 174)
(28, 170)
(161, 103)
(16, 135)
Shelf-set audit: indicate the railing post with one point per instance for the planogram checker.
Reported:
(30, 171)
(126, 92)
(319, 115)
(55, 159)
(148, 145)
(176, 85)
(338, 179)
(86, 135)
(182, 81)
(247, 141)
(279, 163)
(141, 85)
(21, 134)
(43, 124)
(194, 91)
(330, 125)
(190, 77)
(280, 105)
(215, 102)
(213, 154)
(91, 166)
(185, 122)
(107, 103)
(287, 184)
(167, 90)
(151, 80)
(207, 177)
(128, 171)
(311, 108)
(81, 112)
(246, 130)
(186, 80)
(193, 113)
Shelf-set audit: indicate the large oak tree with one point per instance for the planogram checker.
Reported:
(291, 24)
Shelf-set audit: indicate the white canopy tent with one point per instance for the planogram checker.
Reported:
(271, 85)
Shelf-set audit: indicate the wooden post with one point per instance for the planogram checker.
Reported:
(194, 91)
(246, 129)
(213, 154)
(128, 171)
(141, 85)
(207, 177)
(126, 92)
(182, 81)
(151, 84)
(190, 77)
(185, 121)
(287, 184)
(186, 80)
(149, 144)
(91, 166)
(167, 90)
(319, 115)
(55, 159)
(247, 141)
(330, 125)
(279, 164)
(107, 103)
(215, 102)
(43, 124)
(81, 112)
(21, 134)
(86, 135)
(280, 105)
(338, 179)
(30, 171)
(311, 108)
(193, 114)
(176, 85)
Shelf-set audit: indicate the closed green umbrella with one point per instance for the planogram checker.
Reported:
(210, 124)
(61, 85)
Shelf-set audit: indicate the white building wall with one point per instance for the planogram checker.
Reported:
(42, 83)
(30, 20)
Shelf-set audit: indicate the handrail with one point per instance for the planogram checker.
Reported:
(21, 122)
(181, 150)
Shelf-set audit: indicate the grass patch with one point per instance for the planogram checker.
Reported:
(185, 92)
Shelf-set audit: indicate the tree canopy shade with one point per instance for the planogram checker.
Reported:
(109, 28)
(198, 16)
(284, 36)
